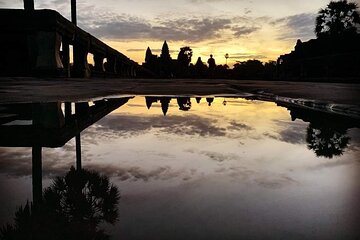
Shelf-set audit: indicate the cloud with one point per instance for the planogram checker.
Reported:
(244, 30)
(121, 26)
(300, 26)
(180, 29)
(136, 50)
(203, 1)
(246, 56)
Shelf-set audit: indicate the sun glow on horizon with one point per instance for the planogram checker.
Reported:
(258, 29)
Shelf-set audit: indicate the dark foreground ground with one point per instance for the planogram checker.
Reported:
(343, 98)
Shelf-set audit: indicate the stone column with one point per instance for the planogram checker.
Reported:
(66, 56)
(99, 63)
(81, 66)
(44, 48)
(29, 5)
(111, 64)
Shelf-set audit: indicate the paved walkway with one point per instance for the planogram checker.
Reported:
(14, 90)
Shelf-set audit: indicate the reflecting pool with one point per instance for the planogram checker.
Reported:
(185, 167)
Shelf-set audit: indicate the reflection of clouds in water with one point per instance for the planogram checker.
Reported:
(162, 155)
(127, 126)
(294, 132)
(234, 126)
(275, 182)
(354, 143)
(258, 177)
(333, 164)
(240, 172)
(179, 125)
(215, 156)
(137, 173)
(56, 163)
(135, 105)
(17, 161)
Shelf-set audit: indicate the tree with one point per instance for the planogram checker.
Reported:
(337, 18)
(251, 69)
(184, 56)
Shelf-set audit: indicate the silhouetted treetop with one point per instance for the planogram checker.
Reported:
(184, 56)
(337, 18)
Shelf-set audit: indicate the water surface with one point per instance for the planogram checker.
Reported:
(223, 168)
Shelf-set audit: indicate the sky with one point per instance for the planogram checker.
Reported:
(245, 29)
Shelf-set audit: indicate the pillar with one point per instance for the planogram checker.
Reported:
(99, 63)
(73, 12)
(81, 66)
(78, 151)
(37, 174)
(29, 5)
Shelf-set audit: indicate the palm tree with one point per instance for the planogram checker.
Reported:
(226, 57)
(337, 18)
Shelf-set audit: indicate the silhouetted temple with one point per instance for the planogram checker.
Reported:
(325, 58)
(162, 66)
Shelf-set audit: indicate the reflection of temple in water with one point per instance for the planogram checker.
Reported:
(164, 101)
(184, 103)
(39, 125)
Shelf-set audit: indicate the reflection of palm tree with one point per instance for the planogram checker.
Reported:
(326, 141)
(72, 208)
